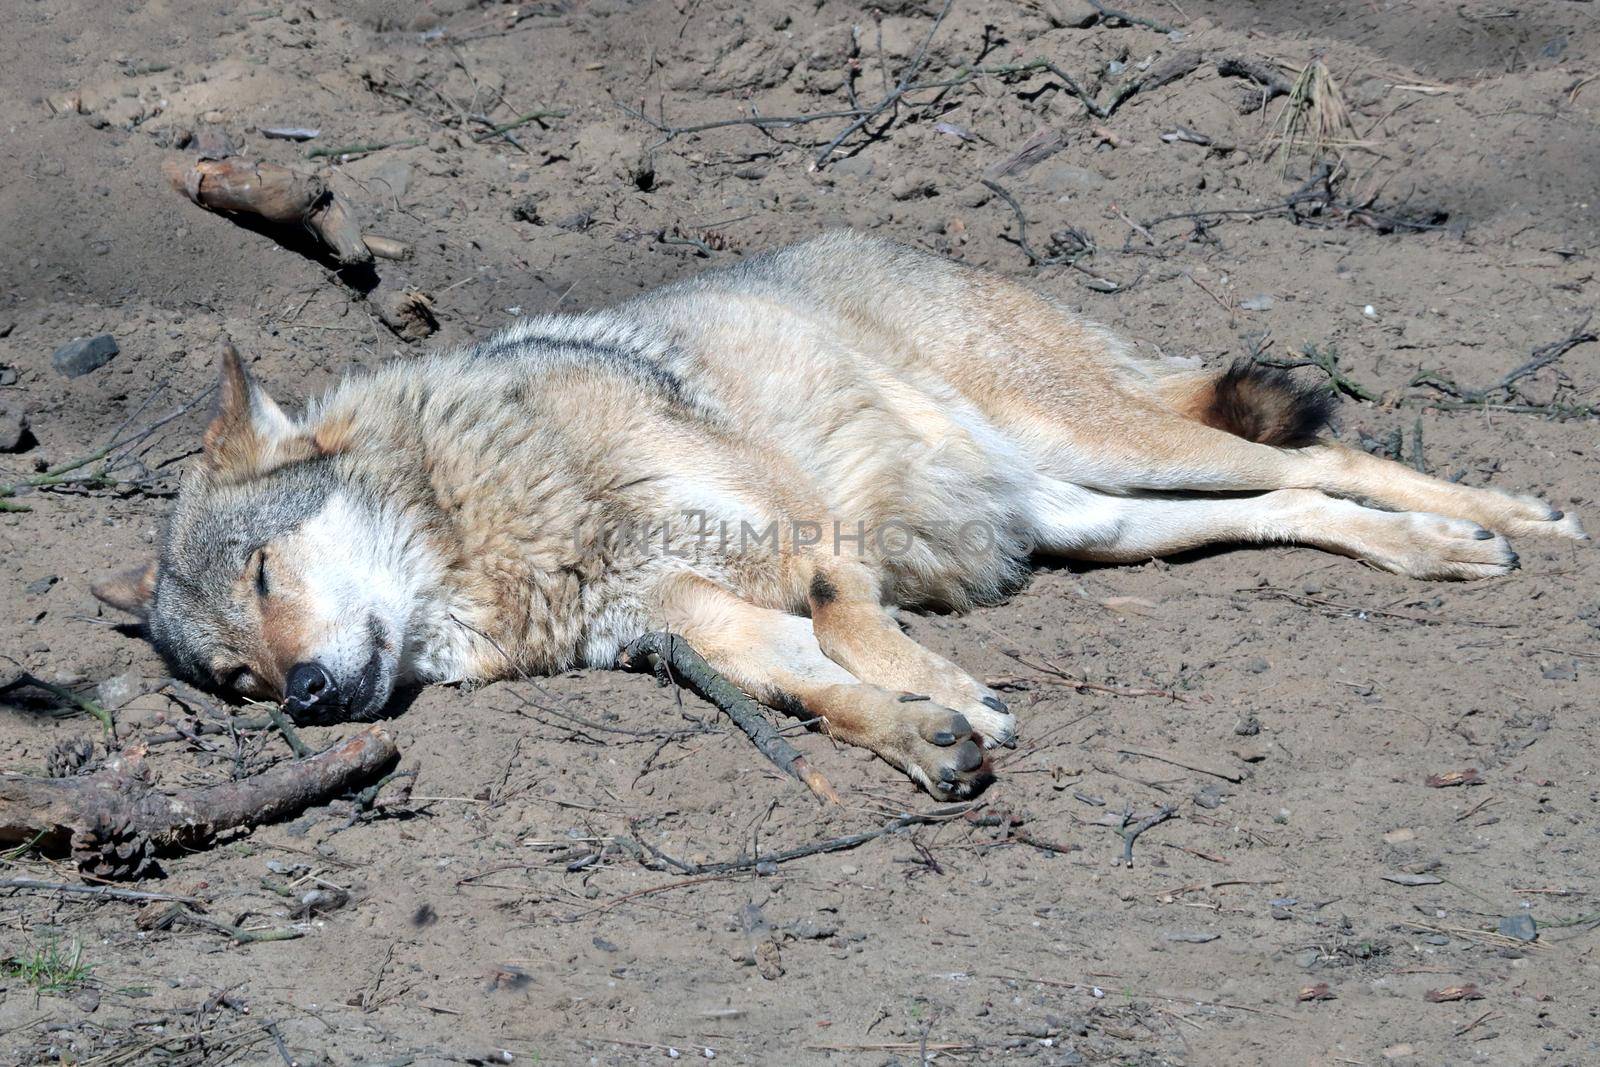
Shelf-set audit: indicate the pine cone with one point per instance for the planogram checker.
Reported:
(68, 757)
(114, 852)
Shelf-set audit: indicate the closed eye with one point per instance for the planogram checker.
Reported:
(261, 572)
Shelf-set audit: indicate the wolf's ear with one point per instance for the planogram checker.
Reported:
(129, 590)
(249, 434)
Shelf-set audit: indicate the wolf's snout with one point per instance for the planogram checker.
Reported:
(309, 685)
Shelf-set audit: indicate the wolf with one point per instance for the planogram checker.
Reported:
(769, 460)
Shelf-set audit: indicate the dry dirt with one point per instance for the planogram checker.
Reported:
(487, 921)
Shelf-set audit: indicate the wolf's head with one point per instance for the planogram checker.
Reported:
(285, 573)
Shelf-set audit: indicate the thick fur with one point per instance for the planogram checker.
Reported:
(768, 459)
(1266, 405)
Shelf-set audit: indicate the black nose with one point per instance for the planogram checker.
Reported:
(309, 684)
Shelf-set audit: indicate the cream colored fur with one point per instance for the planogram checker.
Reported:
(774, 421)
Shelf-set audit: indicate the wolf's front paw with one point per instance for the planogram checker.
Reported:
(936, 748)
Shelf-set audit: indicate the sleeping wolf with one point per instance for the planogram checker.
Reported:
(767, 460)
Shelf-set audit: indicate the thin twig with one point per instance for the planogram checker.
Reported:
(523, 120)
(892, 98)
(281, 721)
(363, 149)
(103, 892)
(82, 703)
(837, 844)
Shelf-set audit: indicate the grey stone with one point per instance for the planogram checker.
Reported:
(1519, 926)
(118, 690)
(41, 586)
(81, 355)
(14, 435)
(1071, 14)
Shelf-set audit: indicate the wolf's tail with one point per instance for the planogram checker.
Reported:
(1261, 404)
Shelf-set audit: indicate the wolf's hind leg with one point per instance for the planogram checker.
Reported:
(1081, 523)
(775, 658)
(1146, 447)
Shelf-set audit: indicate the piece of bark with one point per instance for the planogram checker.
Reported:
(1035, 150)
(386, 247)
(1272, 84)
(335, 222)
(115, 821)
(1178, 65)
(275, 193)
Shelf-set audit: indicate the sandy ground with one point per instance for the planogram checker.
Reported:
(493, 918)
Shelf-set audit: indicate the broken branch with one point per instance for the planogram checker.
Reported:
(668, 652)
(115, 821)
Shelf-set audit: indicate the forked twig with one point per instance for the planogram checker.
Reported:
(1130, 834)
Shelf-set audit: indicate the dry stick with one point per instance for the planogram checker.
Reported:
(83, 703)
(523, 120)
(1069, 259)
(963, 76)
(760, 122)
(1327, 361)
(1131, 833)
(1132, 20)
(180, 915)
(363, 149)
(123, 444)
(281, 721)
(1083, 685)
(103, 892)
(118, 797)
(837, 844)
(1273, 593)
(892, 99)
(1186, 764)
(1540, 358)
(673, 652)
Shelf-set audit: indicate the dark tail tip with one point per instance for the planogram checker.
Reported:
(1267, 405)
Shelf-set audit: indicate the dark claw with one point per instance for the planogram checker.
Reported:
(1556, 515)
(997, 704)
(1483, 535)
(1516, 560)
